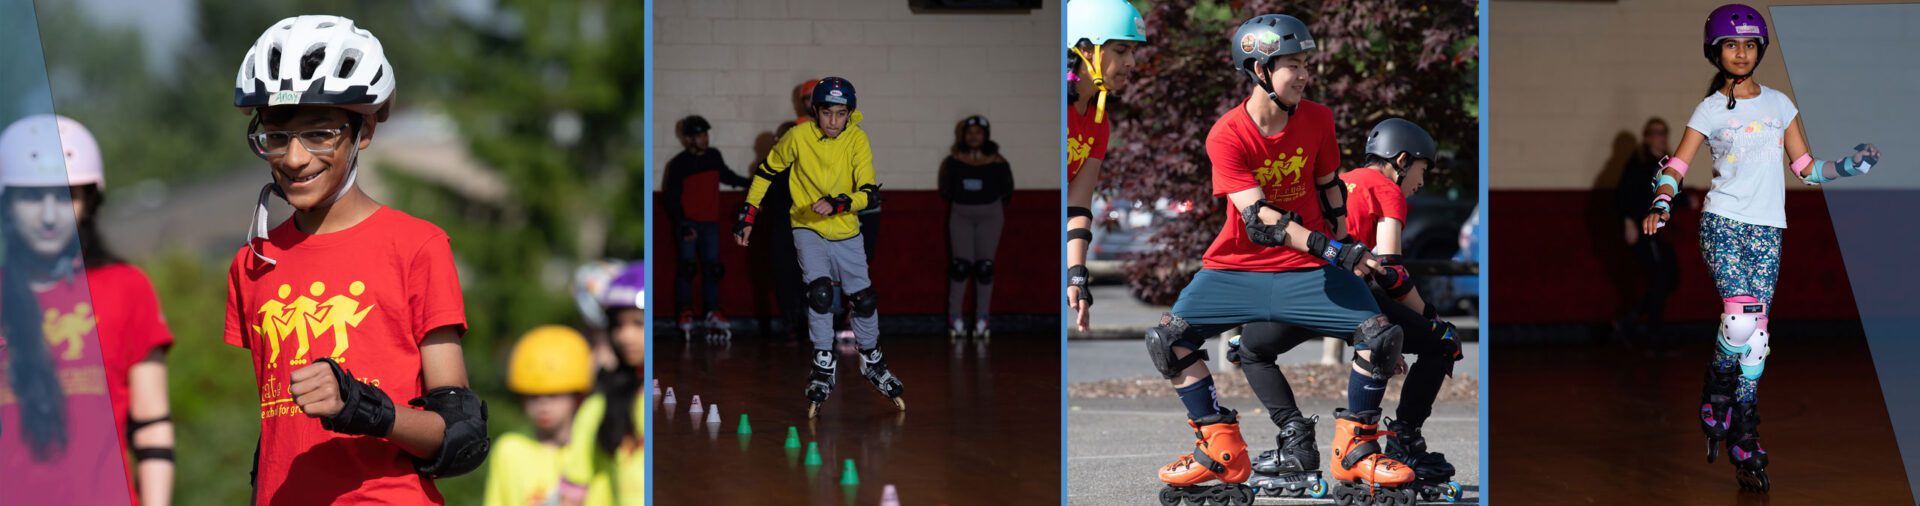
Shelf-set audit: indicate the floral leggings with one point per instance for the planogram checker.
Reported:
(1744, 258)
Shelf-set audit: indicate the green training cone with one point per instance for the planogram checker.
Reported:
(849, 476)
(793, 437)
(813, 453)
(744, 427)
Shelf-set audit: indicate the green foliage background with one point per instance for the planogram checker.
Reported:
(1377, 59)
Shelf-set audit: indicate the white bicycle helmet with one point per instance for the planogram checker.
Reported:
(316, 60)
(313, 60)
(45, 150)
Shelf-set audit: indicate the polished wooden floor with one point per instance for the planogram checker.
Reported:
(1606, 424)
(982, 424)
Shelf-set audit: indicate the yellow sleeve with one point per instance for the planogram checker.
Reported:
(600, 491)
(778, 160)
(866, 193)
(577, 462)
(509, 450)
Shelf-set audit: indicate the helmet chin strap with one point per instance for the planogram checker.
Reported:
(1100, 82)
(259, 225)
(1268, 87)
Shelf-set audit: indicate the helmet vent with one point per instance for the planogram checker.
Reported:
(311, 60)
(328, 24)
(348, 60)
(273, 63)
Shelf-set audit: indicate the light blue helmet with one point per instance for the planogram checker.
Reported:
(1098, 21)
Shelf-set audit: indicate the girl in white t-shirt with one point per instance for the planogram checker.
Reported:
(1752, 131)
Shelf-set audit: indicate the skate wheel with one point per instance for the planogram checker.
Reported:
(1169, 496)
(1319, 488)
(813, 410)
(900, 403)
(1452, 492)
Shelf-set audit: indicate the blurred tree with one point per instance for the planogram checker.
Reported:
(1378, 58)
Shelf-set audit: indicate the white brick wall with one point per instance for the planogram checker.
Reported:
(1566, 78)
(736, 61)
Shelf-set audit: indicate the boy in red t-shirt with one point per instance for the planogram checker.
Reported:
(1275, 160)
(348, 305)
(1398, 155)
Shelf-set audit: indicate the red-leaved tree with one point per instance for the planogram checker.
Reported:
(1377, 59)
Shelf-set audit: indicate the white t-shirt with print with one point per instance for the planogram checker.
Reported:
(1748, 156)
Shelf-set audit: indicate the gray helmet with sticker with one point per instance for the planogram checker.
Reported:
(1266, 36)
(1261, 39)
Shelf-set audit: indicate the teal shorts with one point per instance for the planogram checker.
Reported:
(1326, 300)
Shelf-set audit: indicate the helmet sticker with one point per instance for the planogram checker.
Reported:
(1267, 43)
(1306, 44)
(1751, 29)
(284, 97)
(1139, 24)
(1246, 43)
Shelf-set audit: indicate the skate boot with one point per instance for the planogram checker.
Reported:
(1362, 472)
(1432, 474)
(1219, 454)
(956, 329)
(820, 382)
(1716, 408)
(1743, 448)
(686, 323)
(718, 328)
(873, 365)
(1293, 468)
(980, 330)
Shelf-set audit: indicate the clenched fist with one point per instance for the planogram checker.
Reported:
(317, 391)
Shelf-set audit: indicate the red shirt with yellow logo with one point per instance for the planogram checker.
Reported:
(1283, 166)
(1085, 139)
(365, 297)
(130, 328)
(1371, 197)
(91, 467)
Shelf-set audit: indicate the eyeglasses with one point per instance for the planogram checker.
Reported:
(318, 141)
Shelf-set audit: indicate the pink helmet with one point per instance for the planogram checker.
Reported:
(48, 150)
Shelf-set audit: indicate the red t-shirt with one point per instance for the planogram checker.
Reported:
(1371, 197)
(92, 469)
(131, 328)
(1284, 168)
(1085, 139)
(365, 296)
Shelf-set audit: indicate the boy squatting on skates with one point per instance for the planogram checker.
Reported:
(1752, 130)
(1398, 155)
(1272, 263)
(833, 172)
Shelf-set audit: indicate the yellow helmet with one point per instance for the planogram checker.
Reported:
(550, 359)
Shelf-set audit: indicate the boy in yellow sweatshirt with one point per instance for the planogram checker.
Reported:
(831, 179)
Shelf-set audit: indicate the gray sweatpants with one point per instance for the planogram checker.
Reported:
(975, 232)
(845, 261)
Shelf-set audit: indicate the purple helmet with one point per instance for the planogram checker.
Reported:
(1734, 20)
(628, 290)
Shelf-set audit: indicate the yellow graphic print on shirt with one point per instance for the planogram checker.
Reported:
(1281, 177)
(1079, 147)
(69, 329)
(307, 318)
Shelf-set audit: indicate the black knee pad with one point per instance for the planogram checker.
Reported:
(983, 272)
(716, 270)
(959, 269)
(1162, 339)
(1384, 340)
(863, 303)
(820, 295)
(687, 268)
